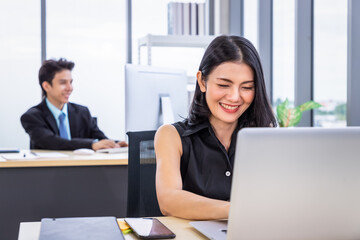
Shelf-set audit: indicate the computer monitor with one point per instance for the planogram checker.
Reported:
(154, 96)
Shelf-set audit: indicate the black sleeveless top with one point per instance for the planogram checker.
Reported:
(206, 168)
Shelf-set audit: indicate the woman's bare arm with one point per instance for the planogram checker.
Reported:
(172, 199)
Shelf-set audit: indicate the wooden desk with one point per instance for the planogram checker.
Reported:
(72, 160)
(80, 185)
(181, 227)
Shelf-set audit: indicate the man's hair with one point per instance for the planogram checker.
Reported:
(50, 67)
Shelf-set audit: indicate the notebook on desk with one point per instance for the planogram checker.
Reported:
(295, 184)
(113, 150)
(84, 228)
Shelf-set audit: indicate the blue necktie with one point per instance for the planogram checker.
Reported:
(62, 128)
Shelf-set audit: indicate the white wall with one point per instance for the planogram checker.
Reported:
(19, 63)
(16, 96)
(102, 92)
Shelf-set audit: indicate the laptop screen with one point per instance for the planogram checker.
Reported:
(296, 183)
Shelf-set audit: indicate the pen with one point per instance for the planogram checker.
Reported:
(25, 155)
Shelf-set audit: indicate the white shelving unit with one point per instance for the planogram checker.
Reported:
(189, 41)
(150, 41)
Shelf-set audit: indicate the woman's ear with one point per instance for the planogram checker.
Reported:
(201, 81)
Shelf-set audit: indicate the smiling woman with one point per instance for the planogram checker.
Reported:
(230, 91)
(195, 157)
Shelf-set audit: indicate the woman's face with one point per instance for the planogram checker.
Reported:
(230, 89)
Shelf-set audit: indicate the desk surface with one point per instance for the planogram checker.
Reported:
(181, 227)
(72, 160)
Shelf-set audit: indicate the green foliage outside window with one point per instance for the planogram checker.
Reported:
(288, 117)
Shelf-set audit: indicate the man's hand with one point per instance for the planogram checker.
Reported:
(121, 144)
(105, 143)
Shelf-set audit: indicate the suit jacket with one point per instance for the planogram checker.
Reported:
(41, 125)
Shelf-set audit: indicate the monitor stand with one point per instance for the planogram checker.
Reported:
(166, 115)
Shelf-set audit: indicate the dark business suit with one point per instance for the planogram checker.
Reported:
(41, 125)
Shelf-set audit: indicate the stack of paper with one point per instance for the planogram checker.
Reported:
(113, 150)
(32, 155)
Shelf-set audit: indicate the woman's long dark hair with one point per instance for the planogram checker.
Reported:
(233, 49)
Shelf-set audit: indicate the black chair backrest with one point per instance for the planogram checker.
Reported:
(142, 200)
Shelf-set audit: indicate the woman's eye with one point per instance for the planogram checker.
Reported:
(248, 88)
(223, 85)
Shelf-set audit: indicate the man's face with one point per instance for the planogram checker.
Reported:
(59, 91)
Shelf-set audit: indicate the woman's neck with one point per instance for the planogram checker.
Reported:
(223, 131)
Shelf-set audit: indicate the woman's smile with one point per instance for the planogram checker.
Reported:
(229, 108)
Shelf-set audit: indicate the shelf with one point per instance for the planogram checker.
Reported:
(175, 41)
(172, 41)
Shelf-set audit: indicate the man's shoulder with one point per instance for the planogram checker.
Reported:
(37, 109)
(77, 108)
(37, 112)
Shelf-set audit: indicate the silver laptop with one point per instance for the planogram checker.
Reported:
(296, 183)
(216, 229)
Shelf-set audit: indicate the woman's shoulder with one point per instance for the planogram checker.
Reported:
(167, 136)
(166, 130)
(181, 126)
(184, 128)
(174, 129)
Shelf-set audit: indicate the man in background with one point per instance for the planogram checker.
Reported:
(58, 124)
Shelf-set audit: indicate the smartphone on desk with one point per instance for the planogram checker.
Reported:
(149, 228)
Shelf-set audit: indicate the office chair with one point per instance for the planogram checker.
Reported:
(142, 200)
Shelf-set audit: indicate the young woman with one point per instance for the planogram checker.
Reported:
(195, 157)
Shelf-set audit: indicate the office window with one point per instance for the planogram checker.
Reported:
(283, 51)
(92, 34)
(251, 21)
(19, 61)
(330, 59)
(151, 17)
